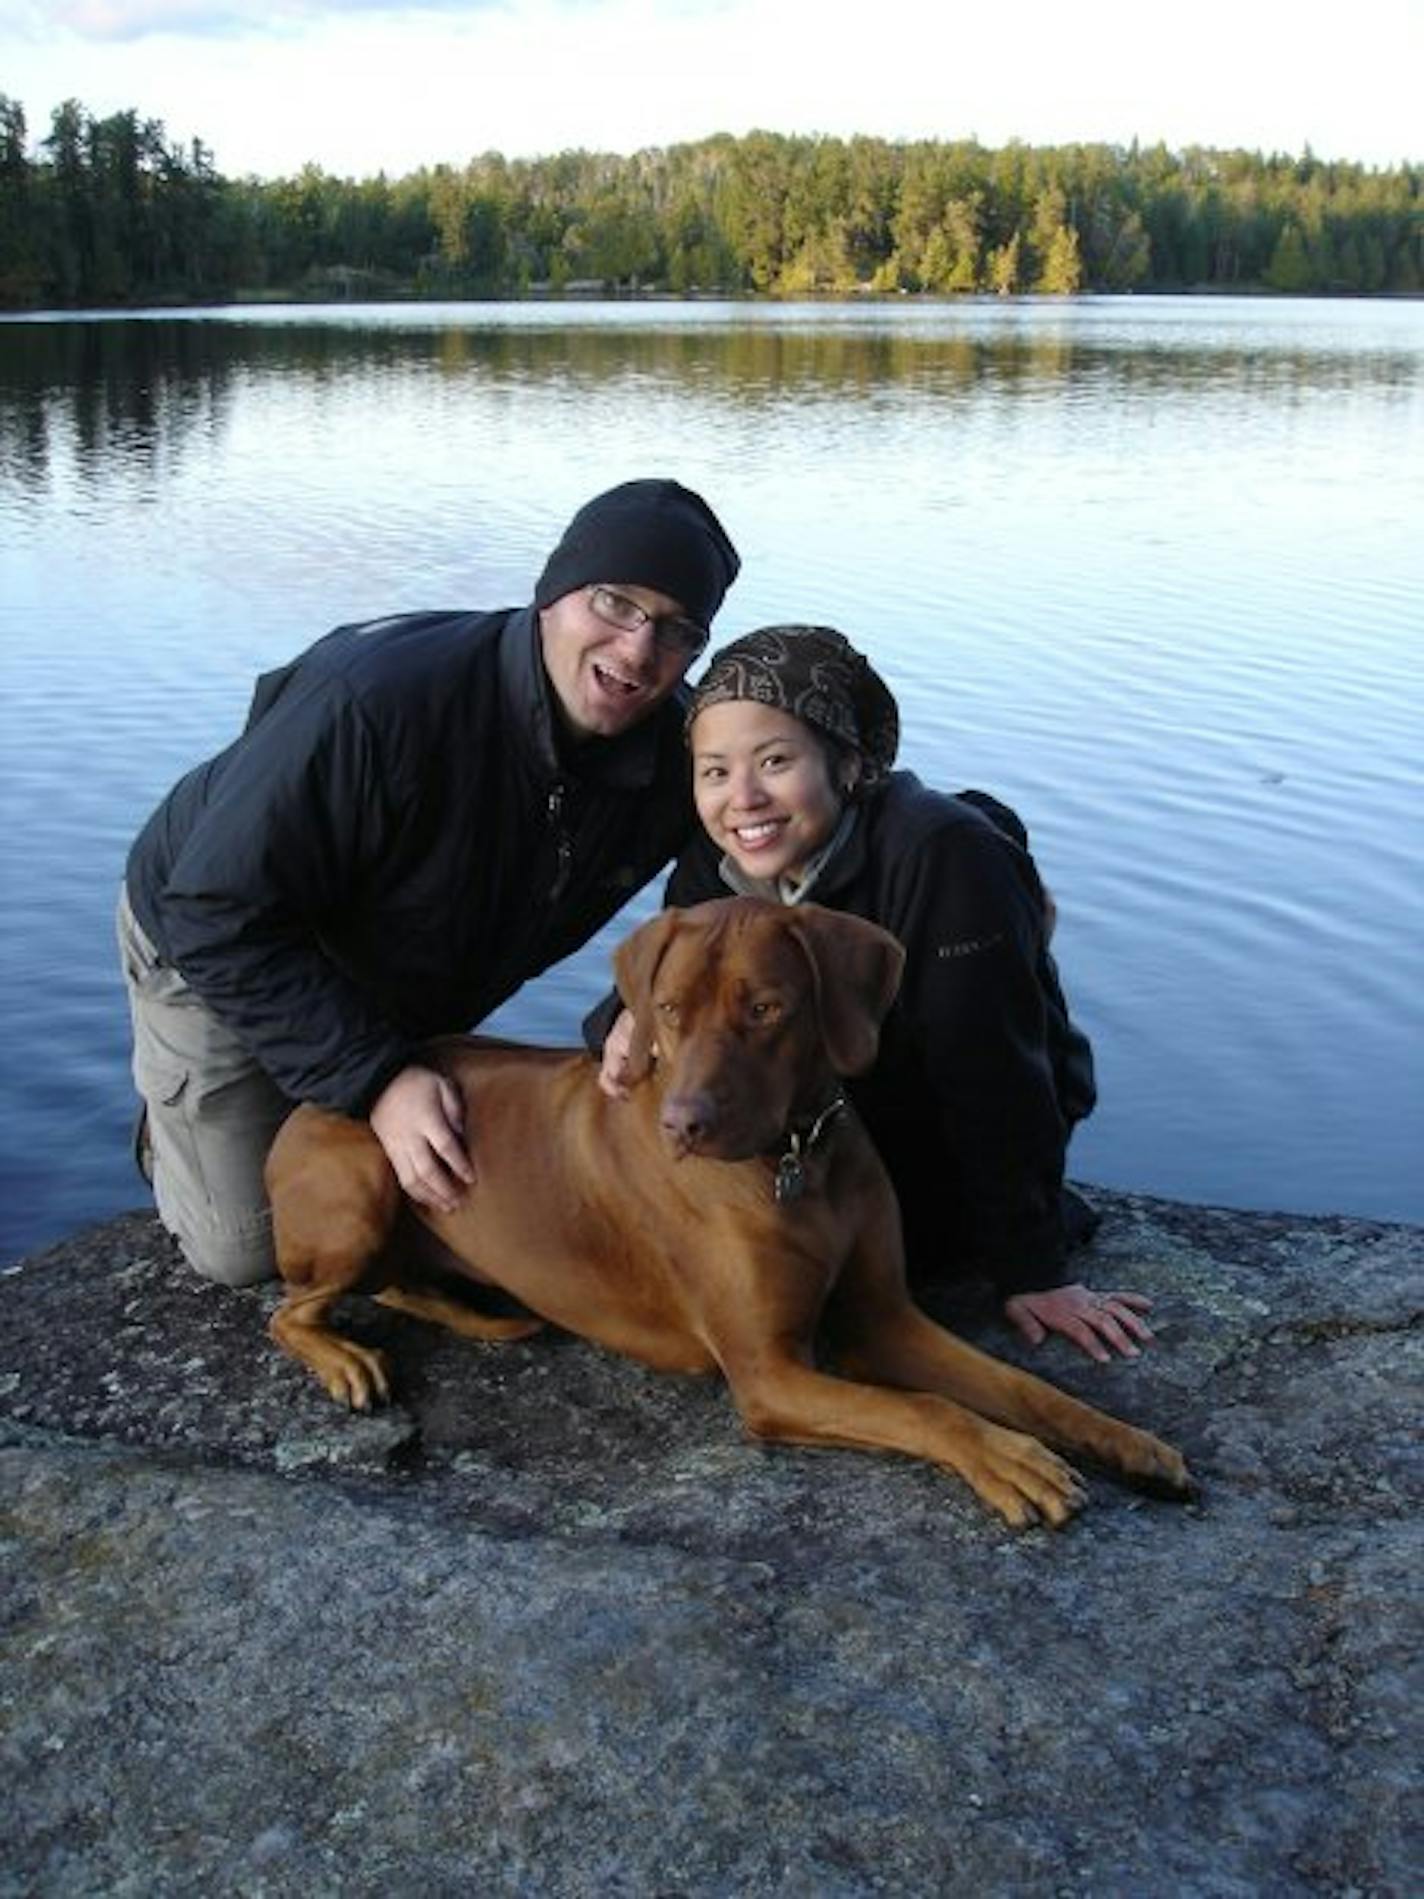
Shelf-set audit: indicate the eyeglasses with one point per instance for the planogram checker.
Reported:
(673, 632)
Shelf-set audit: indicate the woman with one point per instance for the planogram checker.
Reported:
(981, 1076)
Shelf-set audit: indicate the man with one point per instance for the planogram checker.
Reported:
(422, 813)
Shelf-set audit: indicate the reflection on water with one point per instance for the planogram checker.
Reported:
(137, 388)
(1151, 569)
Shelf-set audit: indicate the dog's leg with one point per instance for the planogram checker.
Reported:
(357, 1376)
(334, 1200)
(786, 1400)
(881, 1335)
(465, 1321)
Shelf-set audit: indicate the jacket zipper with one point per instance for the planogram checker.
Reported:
(563, 844)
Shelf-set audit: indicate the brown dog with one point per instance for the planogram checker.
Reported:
(728, 1214)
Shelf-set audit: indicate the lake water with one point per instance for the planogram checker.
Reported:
(1152, 570)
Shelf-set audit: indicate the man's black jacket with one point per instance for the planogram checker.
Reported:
(397, 841)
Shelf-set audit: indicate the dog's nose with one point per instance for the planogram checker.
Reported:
(687, 1119)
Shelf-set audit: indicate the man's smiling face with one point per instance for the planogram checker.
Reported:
(606, 678)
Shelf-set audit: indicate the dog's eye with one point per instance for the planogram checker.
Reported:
(668, 1011)
(764, 1011)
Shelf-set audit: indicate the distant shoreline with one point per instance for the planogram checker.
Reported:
(319, 299)
(105, 212)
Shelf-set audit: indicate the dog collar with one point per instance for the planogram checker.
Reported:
(790, 1181)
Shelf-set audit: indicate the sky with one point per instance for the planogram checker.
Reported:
(362, 86)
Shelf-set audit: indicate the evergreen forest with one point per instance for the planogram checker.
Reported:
(110, 212)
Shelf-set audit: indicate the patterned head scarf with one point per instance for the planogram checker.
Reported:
(816, 675)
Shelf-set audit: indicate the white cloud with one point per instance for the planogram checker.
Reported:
(364, 85)
(209, 19)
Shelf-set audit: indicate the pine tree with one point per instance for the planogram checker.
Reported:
(1290, 263)
(1061, 272)
(1002, 270)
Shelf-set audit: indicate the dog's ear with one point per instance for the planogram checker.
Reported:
(635, 963)
(857, 967)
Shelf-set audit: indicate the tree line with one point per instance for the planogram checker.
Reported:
(109, 211)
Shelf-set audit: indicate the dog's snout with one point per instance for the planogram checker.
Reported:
(689, 1119)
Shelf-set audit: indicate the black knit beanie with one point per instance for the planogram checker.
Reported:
(654, 534)
(816, 675)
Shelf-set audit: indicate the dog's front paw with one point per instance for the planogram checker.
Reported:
(1149, 1464)
(1022, 1480)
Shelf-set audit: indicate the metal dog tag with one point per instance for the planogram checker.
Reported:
(790, 1180)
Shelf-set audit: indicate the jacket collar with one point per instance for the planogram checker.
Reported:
(837, 864)
(628, 762)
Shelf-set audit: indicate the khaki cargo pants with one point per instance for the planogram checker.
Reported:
(212, 1115)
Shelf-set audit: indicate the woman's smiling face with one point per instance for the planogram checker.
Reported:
(763, 785)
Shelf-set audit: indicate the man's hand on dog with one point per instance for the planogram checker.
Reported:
(1094, 1321)
(419, 1119)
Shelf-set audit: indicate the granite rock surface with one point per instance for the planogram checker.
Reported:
(552, 1625)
